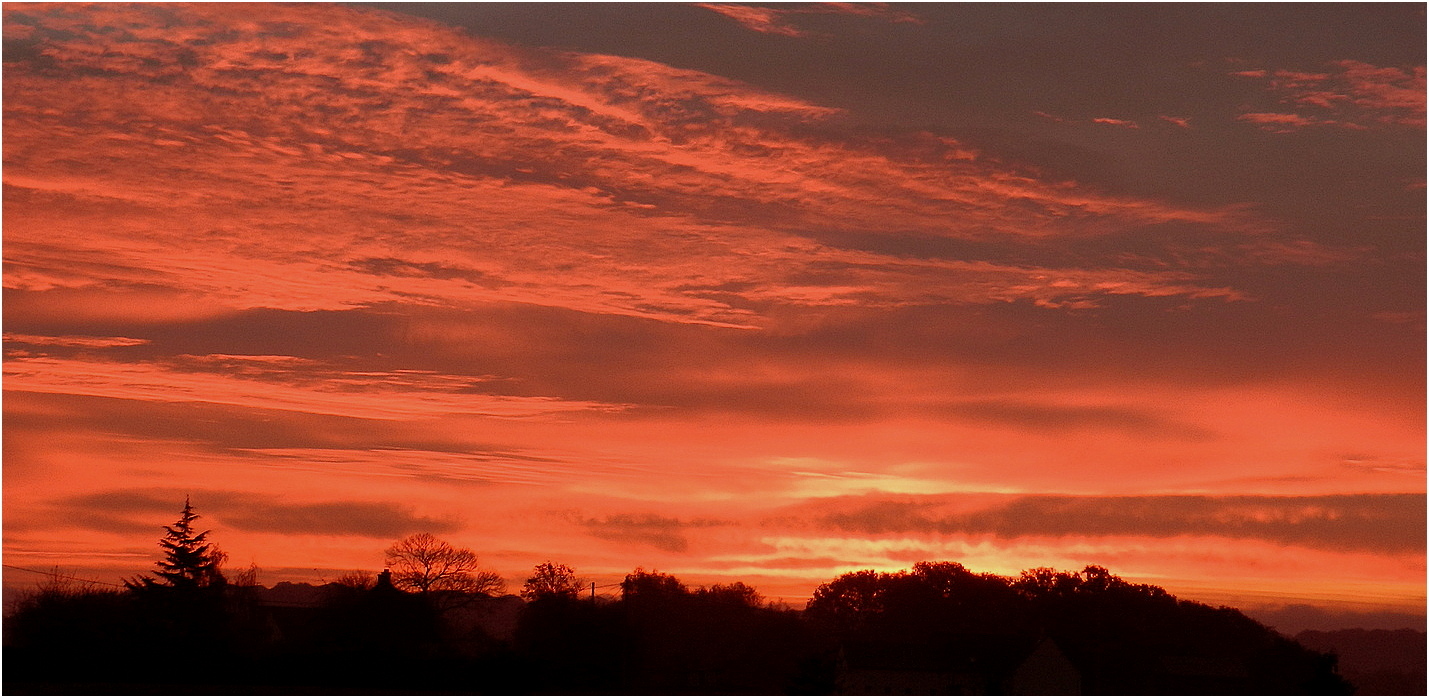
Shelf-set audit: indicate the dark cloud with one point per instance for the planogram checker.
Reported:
(223, 428)
(528, 350)
(124, 502)
(1004, 61)
(1072, 418)
(370, 519)
(1384, 523)
(391, 266)
(1013, 347)
(315, 335)
(660, 532)
(131, 511)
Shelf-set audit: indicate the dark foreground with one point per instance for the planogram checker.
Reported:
(936, 629)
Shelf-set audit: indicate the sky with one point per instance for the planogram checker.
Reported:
(767, 293)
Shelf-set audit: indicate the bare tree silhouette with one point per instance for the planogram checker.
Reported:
(425, 563)
(361, 580)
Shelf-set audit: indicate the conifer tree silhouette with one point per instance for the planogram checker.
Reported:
(190, 561)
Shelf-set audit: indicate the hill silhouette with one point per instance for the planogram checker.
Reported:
(1377, 662)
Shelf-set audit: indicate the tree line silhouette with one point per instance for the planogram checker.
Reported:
(435, 622)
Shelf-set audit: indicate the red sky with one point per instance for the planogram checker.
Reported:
(767, 293)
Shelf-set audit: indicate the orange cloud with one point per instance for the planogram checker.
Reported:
(1116, 122)
(1282, 123)
(770, 20)
(761, 19)
(322, 260)
(1348, 94)
(73, 341)
(422, 190)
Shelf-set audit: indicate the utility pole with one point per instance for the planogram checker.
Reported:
(592, 591)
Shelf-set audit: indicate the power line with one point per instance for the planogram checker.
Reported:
(593, 587)
(59, 575)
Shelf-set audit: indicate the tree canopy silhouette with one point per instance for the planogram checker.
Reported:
(651, 585)
(734, 593)
(551, 579)
(1122, 637)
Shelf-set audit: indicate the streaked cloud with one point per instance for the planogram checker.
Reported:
(285, 383)
(1123, 123)
(1380, 464)
(457, 465)
(1134, 124)
(129, 510)
(73, 341)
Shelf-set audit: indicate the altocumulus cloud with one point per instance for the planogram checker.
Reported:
(412, 157)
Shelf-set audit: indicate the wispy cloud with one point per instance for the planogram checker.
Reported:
(1377, 464)
(1277, 122)
(781, 20)
(766, 20)
(457, 465)
(1123, 123)
(1343, 94)
(73, 341)
(1178, 121)
(282, 383)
